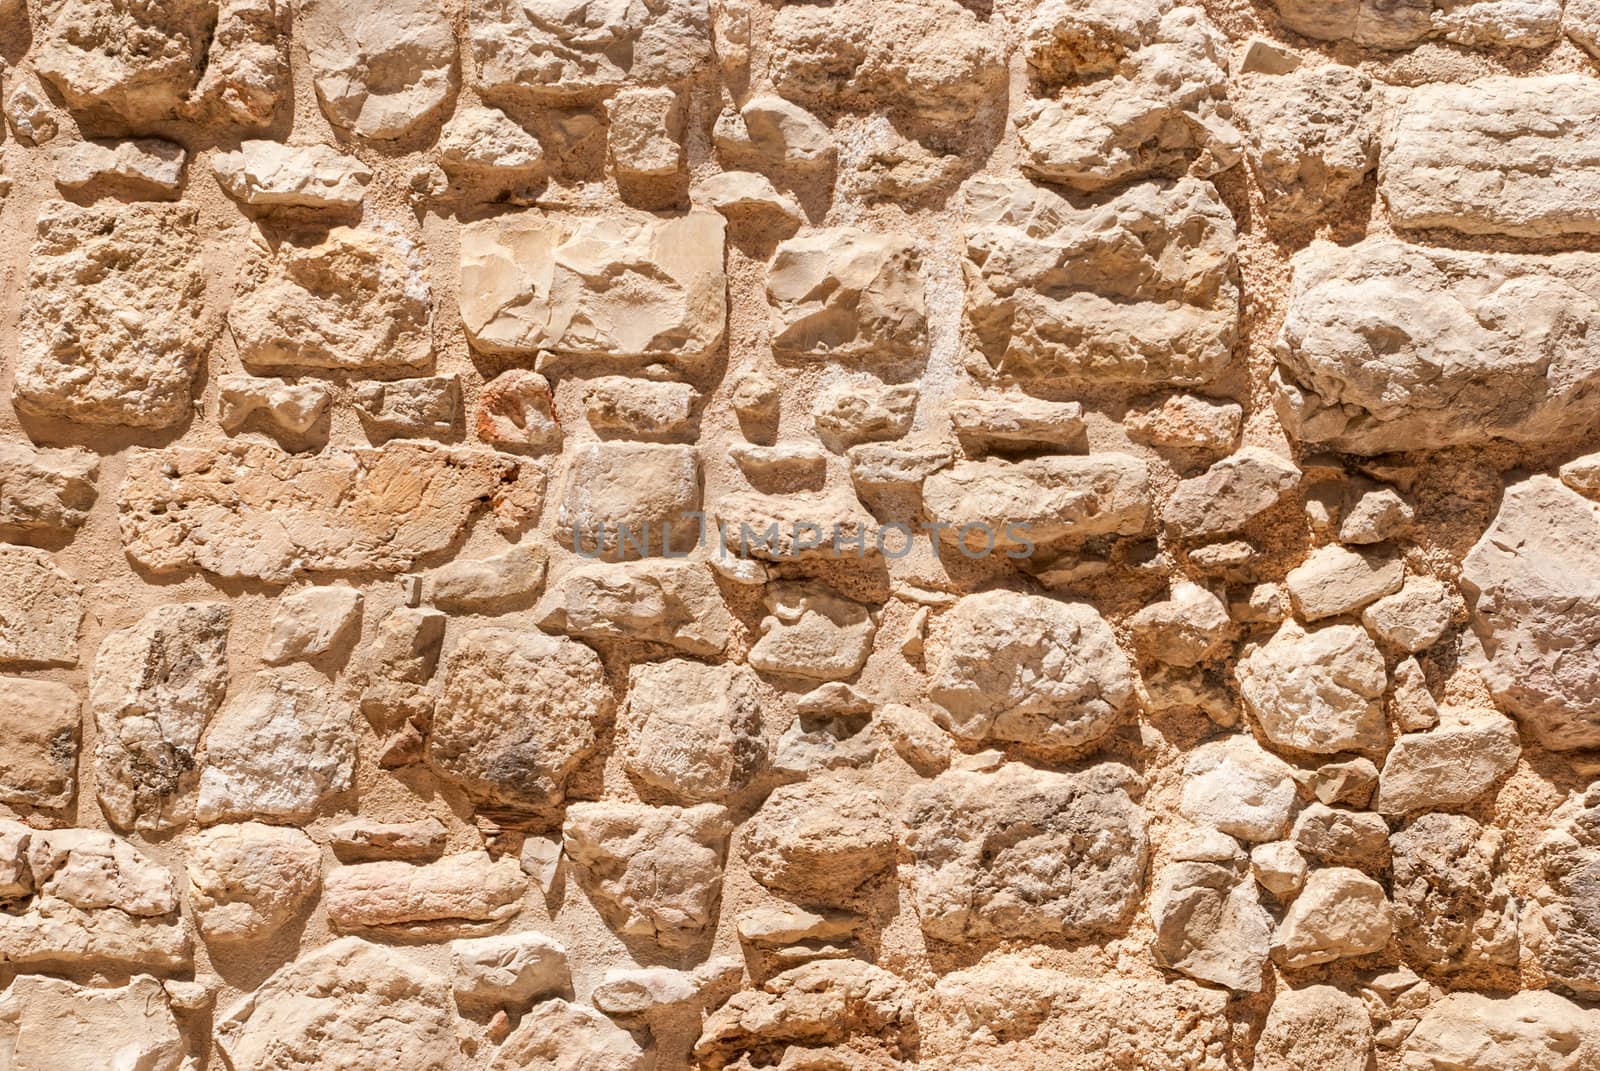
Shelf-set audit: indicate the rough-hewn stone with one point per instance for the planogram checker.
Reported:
(379, 77)
(41, 610)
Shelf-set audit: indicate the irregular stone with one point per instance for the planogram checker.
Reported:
(1535, 1031)
(16, 877)
(363, 841)
(508, 969)
(1038, 1017)
(628, 292)
(246, 76)
(853, 412)
(294, 408)
(1375, 516)
(1187, 422)
(1014, 506)
(32, 116)
(623, 408)
(1510, 23)
(738, 194)
(1230, 494)
(409, 407)
(646, 129)
(558, 1036)
(51, 1023)
(772, 468)
(1453, 908)
(1191, 626)
(643, 993)
(379, 78)
(41, 610)
(1318, 1026)
(904, 466)
(693, 731)
(1414, 618)
(153, 690)
(46, 491)
(1163, 112)
(280, 748)
(1015, 423)
(551, 54)
(1389, 346)
(879, 163)
(655, 872)
(489, 585)
(133, 63)
(1318, 690)
(847, 294)
(1030, 670)
(622, 500)
(1341, 912)
(456, 894)
(1532, 593)
(821, 841)
(770, 135)
(835, 1013)
(1411, 706)
(1236, 786)
(1450, 766)
(934, 59)
(813, 632)
(394, 670)
(517, 715)
(1312, 138)
(795, 526)
(310, 622)
(146, 167)
(1335, 837)
(251, 510)
(1209, 921)
(349, 298)
(1279, 868)
(347, 1004)
(1071, 40)
(1564, 922)
(675, 603)
(1334, 581)
(39, 722)
(267, 173)
(246, 882)
(1026, 853)
(485, 144)
(112, 328)
(518, 412)
(1151, 295)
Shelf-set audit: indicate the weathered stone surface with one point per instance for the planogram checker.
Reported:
(146, 167)
(1187, 422)
(310, 622)
(39, 723)
(795, 526)
(655, 872)
(1140, 290)
(740, 195)
(1012, 506)
(1026, 853)
(1390, 346)
(294, 408)
(280, 747)
(1534, 595)
(379, 77)
(409, 407)
(489, 585)
(1538, 1031)
(136, 63)
(518, 412)
(1230, 494)
(848, 294)
(247, 881)
(1187, 628)
(41, 610)
(821, 841)
(812, 631)
(853, 412)
(1238, 787)
(1312, 138)
(817, 1015)
(487, 145)
(669, 602)
(1279, 868)
(1334, 581)
(1015, 422)
(347, 1004)
(112, 329)
(45, 491)
(1317, 690)
(1161, 112)
(646, 134)
(1414, 618)
(770, 135)
(554, 53)
(623, 408)
(1014, 1013)
(250, 510)
(517, 715)
(1333, 836)
(267, 173)
(1564, 928)
(1511, 23)
(246, 77)
(622, 500)
(394, 670)
(457, 894)
(1030, 670)
(1209, 921)
(558, 1036)
(1449, 766)
(50, 1023)
(1318, 1026)
(1511, 156)
(933, 59)
(617, 289)
(153, 690)
(348, 298)
(1453, 907)
(1340, 912)
(693, 731)
(509, 969)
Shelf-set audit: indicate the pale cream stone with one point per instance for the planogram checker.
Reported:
(558, 1036)
(854, 411)
(489, 585)
(1236, 786)
(464, 893)
(646, 129)
(41, 610)
(1015, 422)
(1312, 138)
(485, 143)
(1189, 627)
(310, 622)
(1341, 912)
(134, 63)
(1208, 917)
(1230, 494)
(1334, 581)
(849, 295)
(670, 602)
(820, 842)
(1318, 1026)
(693, 731)
(1533, 1031)
(507, 969)
(363, 841)
(1014, 506)
(246, 77)
(1511, 23)
(622, 500)
(812, 631)
(39, 724)
(1317, 690)
(268, 173)
(148, 167)
(1448, 766)
(291, 407)
(247, 881)
(379, 74)
(49, 1023)
(1453, 905)
(623, 408)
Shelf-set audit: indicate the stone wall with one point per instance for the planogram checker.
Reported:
(1167, 629)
